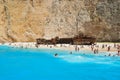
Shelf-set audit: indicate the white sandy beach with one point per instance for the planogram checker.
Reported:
(99, 46)
(97, 49)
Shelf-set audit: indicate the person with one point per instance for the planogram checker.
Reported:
(60, 45)
(118, 52)
(109, 55)
(50, 46)
(114, 45)
(55, 54)
(108, 48)
(97, 46)
(106, 45)
(36, 45)
(97, 51)
(94, 51)
(70, 52)
(78, 48)
(92, 47)
(118, 47)
(9, 43)
(103, 46)
(113, 55)
(82, 46)
(75, 48)
(21, 46)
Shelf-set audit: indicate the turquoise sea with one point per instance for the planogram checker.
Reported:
(41, 64)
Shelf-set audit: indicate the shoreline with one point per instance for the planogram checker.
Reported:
(100, 47)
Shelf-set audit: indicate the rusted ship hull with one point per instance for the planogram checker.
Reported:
(73, 41)
(83, 41)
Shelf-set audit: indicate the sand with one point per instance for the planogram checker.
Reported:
(113, 47)
(98, 48)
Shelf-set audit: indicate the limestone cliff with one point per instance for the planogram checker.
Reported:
(26, 20)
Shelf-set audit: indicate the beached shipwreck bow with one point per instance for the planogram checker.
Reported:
(77, 40)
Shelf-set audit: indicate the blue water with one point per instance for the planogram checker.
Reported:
(40, 64)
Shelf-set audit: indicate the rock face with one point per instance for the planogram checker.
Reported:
(26, 20)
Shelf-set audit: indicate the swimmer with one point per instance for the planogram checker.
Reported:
(95, 51)
(109, 55)
(70, 52)
(113, 55)
(55, 54)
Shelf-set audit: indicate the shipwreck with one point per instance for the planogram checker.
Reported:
(76, 40)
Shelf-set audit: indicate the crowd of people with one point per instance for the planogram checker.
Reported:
(96, 48)
(99, 48)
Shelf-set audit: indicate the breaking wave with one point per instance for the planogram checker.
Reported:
(74, 58)
(85, 59)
